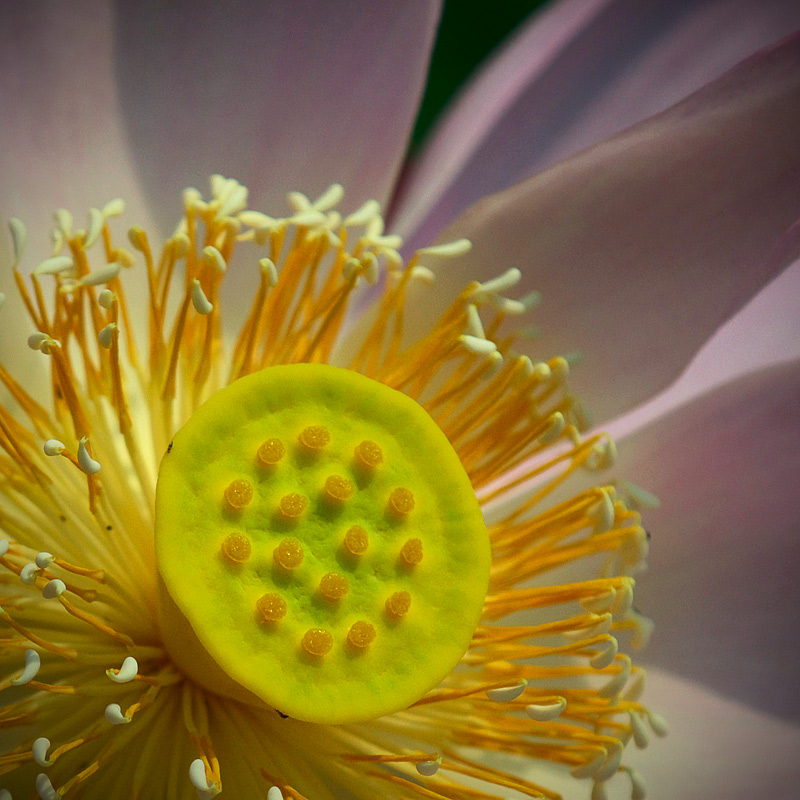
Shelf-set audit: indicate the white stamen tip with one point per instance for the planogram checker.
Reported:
(114, 715)
(474, 324)
(5, 795)
(602, 602)
(32, 663)
(507, 280)
(39, 749)
(371, 274)
(197, 775)
(448, 249)
(54, 265)
(28, 574)
(638, 498)
(85, 461)
(617, 683)
(36, 340)
(589, 768)
(638, 730)
(95, 227)
(106, 299)
(2, 298)
(331, 197)
(44, 560)
(423, 274)
(273, 794)
(546, 711)
(19, 238)
(64, 220)
(126, 673)
(199, 300)
(624, 602)
(45, 789)
(602, 512)
(102, 275)
(113, 208)
(106, 336)
(54, 588)
(507, 693)
(429, 768)
(52, 447)
(481, 347)
(214, 258)
(554, 429)
(658, 724)
(605, 656)
(269, 269)
(611, 765)
(638, 787)
(4, 545)
(363, 215)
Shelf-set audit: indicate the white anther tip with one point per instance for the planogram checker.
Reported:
(273, 794)
(429, 768)
(28, 574)
(638, 787)
(269, 269)
(554, 429)
(39, 750)
(106, 336)
(197, 775)
(214, 258)
(52, 447)
(106, 299)
(36, 340)
(658, 724)
(605, 656)
(5, 795)
(589, 768)
(4, 545)
(640, 737)
(126, 673)
(545, 712)
(599, 791)
(507, 693)
(114, 715)
(448, 249)
(611, 764)
(54, 265)
(45, 789)
(481, 347)
(44, 560)
(199, 300)
(53, 589)
(85, 461)
(32, 664)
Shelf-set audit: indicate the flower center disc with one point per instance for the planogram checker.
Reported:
(321, 537)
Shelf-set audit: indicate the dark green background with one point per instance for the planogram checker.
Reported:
(469, 31)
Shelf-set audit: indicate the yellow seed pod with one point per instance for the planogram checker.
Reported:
(333, 594)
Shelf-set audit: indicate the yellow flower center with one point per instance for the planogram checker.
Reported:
(314, 623)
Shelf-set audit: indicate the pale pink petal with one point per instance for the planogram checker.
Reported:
(574, 75)
(475, 115)
(724, 555)
(716, 748)
(289, 94)
(645, 244)
(64, 144)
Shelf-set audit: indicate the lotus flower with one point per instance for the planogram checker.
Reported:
(647, 247)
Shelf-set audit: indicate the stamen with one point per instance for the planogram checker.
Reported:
(53, 589)
(45, 789)
(200, 780)
(39, 750)
(85, 461)
(448, 250)
(32, 664)
(274, 793)
(114, 715)
(506, 694)
(53, 266)
(126, 673)
(19, 237)
(547, 711)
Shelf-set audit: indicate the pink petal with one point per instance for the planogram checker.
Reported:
(294, 94)
(716, 748)
(645, 244)
(723, 581)
(64, 144)
(576, 74)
